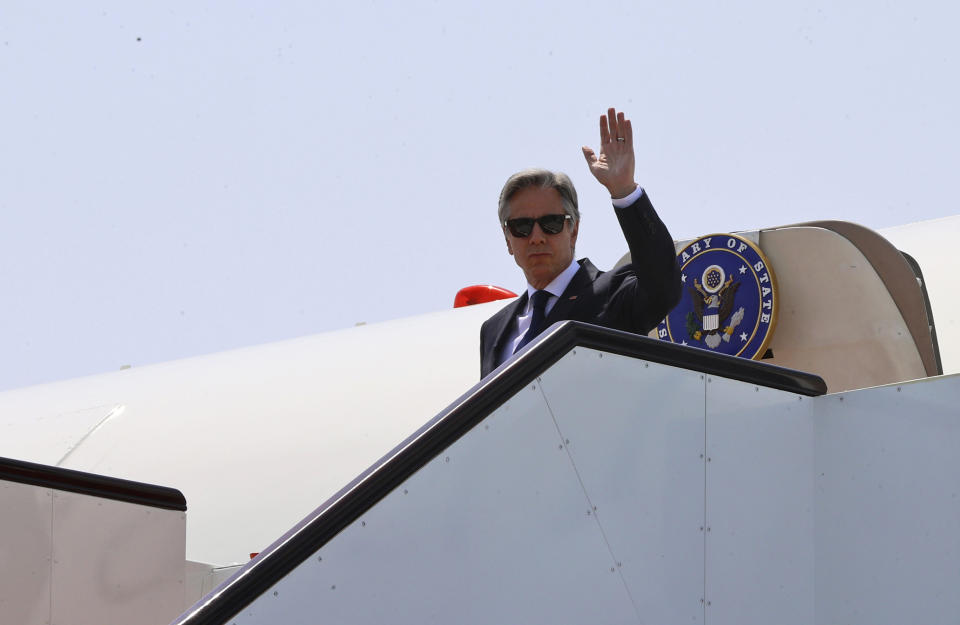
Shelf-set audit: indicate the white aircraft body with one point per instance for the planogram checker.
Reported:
(727, 494)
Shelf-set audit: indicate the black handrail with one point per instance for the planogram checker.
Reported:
(429, 441)
(92, 484)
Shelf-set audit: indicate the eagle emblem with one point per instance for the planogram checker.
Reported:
(729, 299)
(713, 302)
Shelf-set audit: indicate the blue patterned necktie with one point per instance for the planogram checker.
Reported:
(539, 301)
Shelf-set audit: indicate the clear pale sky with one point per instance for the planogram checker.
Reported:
(188, 177)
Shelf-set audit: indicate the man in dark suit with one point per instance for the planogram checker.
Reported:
(540, 220)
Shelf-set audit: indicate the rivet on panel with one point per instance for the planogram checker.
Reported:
(646, 365)
(334, 587)
(588, 513)
(567, 441)
(701, 528)
(613, 570)
(701, 456)
(709, 459)
(405, 491)
(447, 459)
(756, 389)
(708, 603)
(363, 523)
(533, 387)
(708, 528)
(319, 558)
(841, 398)
(276, 594)
(898, 389)
(560, 446)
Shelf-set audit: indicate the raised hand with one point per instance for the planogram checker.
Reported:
(614, 167)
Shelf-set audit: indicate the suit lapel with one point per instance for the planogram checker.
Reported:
(571, 295)
(504, 326)
(566, 303)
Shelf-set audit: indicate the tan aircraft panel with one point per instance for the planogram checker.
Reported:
(933, 245)
(837, 318)
(897, 276)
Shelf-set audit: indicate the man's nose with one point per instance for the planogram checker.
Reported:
(537, 234)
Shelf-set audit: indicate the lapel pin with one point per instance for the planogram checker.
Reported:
(573, 297)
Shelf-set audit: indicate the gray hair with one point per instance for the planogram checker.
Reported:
(545, 179)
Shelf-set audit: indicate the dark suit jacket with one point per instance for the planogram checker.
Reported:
(634, 297)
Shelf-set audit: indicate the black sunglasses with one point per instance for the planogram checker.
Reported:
(521, 227)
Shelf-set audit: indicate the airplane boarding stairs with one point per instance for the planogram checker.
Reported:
(82, 548)
(604, 477)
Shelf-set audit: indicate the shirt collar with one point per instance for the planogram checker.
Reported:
(559, 284)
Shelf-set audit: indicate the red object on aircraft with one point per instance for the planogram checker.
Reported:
(480, 294)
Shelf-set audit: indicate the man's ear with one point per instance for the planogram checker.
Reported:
(507, 240)
(573, 235)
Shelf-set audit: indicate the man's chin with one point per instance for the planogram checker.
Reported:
(539, 261)
(542, 277)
